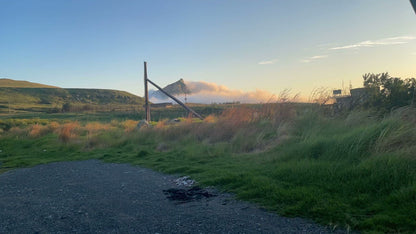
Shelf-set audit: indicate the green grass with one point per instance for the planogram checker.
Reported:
(355, 172)
(103, 113)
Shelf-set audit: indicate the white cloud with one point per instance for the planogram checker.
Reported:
(313, 58)
(319, 56)
(205, 92)
(380, 42)
(267, 62)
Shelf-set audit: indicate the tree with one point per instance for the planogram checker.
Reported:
(389, 92)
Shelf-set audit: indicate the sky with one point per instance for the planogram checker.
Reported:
(243, 45)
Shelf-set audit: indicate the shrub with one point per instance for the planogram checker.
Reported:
(54, 126)
(69, 131)
(17, 131)
(130, 125)
(38, 130)
(389, 92)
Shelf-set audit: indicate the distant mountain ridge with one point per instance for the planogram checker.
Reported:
(177, 88)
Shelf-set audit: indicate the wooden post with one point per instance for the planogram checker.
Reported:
(146, 94)
(146, 97)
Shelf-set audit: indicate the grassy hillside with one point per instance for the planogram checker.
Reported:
(103, 96)
(22, 96)
(22, 84)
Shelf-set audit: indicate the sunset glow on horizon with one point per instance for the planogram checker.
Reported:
(243, 45)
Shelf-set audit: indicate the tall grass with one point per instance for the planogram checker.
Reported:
(356, 171)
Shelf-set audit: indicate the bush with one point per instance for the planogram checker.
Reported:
(69, 131)
(38, 130)
(54, 126)
(130, 125)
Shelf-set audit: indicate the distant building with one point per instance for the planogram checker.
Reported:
(358, 97)
(343, 103)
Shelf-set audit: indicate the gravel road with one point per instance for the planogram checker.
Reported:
(96, 197)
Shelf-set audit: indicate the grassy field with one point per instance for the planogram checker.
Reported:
(356, 171)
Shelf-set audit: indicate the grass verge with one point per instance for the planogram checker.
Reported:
(355, 172)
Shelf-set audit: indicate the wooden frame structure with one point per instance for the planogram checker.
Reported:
(146, 96)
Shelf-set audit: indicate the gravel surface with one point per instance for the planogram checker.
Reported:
(91, 197)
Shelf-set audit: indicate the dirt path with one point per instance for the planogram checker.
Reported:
(91, 196)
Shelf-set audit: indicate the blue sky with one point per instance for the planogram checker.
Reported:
(245, 45)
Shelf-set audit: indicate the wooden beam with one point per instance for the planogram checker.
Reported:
(175, 99)
(146, 94)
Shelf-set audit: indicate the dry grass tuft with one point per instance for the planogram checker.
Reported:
(130, 125)
(38, 130)
(321, 96)
(95, 127)
(161, 124)
(238, 116)
(69, 131)
(17, 131)
(54, 126)
(210, 119)
(277, 112)
(406, 114)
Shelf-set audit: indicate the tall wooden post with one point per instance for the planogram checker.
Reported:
(146, 94)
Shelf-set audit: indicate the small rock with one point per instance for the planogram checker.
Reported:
(174, 121)
(143, 124)
(185, 181)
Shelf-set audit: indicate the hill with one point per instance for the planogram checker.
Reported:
(23, 96)
(4, 82)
